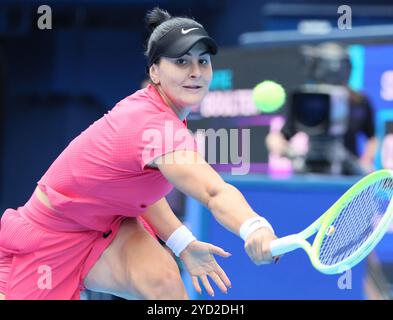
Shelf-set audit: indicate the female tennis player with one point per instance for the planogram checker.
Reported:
(92, 220)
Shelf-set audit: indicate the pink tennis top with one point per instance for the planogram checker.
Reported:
(103, 173)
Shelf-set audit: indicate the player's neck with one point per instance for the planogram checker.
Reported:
(182, 113)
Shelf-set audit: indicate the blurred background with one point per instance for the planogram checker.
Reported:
(335, 64)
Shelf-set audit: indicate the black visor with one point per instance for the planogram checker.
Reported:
(179, 41)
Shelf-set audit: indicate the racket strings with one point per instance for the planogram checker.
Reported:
(352, 241)
(365, 223)
(335, 253)
(355, 223)
(349, 242)
(338, 224)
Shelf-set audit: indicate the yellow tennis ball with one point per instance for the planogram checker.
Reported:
(268, 96)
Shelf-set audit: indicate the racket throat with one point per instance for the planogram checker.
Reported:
(288, 244)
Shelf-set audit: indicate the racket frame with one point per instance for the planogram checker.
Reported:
(323, 223)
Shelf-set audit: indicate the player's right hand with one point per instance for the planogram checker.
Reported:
(257, 246)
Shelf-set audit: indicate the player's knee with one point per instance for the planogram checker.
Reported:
(166, 284)
(169, 286)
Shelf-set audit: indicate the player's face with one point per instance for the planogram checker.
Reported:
(185, 80)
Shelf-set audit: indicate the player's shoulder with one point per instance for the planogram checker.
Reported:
(135, 108)
(141, 110)
(144, 103)
(138, 98)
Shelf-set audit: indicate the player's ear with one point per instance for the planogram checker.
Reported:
(153, 72)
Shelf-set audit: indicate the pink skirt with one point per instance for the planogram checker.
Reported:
(46, 258)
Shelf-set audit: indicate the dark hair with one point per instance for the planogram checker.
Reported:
(159, 22)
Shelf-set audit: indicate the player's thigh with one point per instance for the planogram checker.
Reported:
(135, 265)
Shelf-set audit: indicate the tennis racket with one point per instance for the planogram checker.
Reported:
(348, 231)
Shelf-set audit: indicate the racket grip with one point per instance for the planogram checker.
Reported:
(286, 244)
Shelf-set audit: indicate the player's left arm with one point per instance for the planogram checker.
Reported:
(197, 256)
(162, 219)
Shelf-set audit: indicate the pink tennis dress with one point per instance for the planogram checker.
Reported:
(99, 180)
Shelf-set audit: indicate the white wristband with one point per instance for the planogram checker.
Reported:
(252, 224)
(180, 239)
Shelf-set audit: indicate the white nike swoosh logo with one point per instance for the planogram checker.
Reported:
(188, 30)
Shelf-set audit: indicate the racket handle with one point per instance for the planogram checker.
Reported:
(286, 244)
